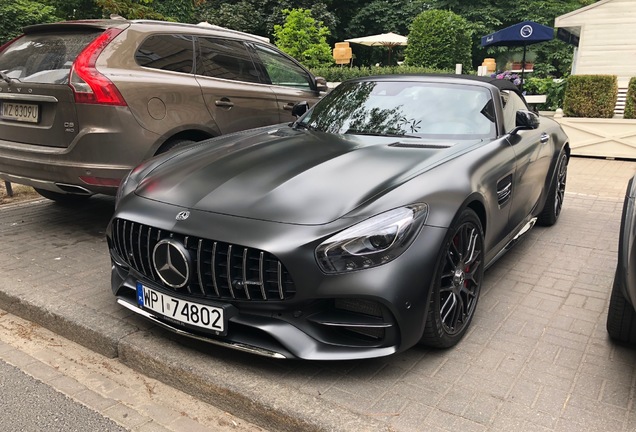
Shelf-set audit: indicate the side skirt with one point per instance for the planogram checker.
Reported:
(523, 231)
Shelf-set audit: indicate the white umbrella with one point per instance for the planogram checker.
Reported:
(388, 40)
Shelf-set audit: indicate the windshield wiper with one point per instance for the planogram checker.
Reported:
(392, 135)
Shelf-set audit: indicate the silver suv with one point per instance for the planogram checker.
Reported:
(83, 102)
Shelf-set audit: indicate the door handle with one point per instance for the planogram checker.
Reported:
(289, 106)
(544, 138)
(224, 102)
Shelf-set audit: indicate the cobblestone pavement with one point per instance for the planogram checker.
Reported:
(537, 356)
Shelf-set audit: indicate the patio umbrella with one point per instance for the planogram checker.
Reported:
(388, 40)
(522, 34)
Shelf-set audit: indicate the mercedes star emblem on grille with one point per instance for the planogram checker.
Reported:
(171, 261)
(181, 216)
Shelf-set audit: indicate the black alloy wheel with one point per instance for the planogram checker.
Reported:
(556, 195)
(457, 282)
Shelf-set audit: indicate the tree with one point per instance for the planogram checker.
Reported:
(439, 39)
(17, 14)
(177, 10)
(75, 9)
(487, 16)
(259, 16)
(130, 9)
(303, 38)
(242, 15)
(381, 16)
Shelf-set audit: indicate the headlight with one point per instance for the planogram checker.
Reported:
(373, 242)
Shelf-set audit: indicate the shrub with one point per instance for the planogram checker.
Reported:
(339, 74)
(554, 89)
(592, 96)
(304, 38)
(630, 103)
(439, 39)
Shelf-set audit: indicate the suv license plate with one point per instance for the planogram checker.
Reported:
(19, 112)
(187, 312)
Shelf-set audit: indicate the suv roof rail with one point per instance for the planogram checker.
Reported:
(203, 24)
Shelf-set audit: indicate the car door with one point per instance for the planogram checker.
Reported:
(232, 86)
(290, 82)
(533, 155)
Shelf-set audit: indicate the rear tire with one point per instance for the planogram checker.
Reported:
(554, 203)
(62, 198)
(457, 282)
(621, 317)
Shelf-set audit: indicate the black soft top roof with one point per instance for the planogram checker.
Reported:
(501, 84)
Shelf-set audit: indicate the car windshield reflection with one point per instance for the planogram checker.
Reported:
(405, 109)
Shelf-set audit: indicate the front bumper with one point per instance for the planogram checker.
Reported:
(362, 314)
(108, 152)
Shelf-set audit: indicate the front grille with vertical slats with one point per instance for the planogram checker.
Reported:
(219, 270)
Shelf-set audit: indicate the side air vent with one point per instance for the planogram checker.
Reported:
(504, 190)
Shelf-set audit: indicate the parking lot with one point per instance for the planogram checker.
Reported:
(537, 356)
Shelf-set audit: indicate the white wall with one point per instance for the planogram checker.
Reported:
(607, 38)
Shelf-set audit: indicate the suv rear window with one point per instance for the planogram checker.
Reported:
(44, 58)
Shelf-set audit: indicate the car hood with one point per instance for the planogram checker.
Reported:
(289, 176)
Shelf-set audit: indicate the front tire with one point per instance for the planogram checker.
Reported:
(457, 282)
(62, 198)
(621, 317)
(554, 203)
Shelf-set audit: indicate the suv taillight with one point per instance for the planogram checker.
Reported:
(90, 86)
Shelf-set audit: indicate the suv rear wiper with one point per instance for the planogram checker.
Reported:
(6, 77)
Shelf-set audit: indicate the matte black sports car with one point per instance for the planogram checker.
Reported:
(358, 231)
(621, 316)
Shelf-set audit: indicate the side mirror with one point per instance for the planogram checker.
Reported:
(321, 84)
(525, 120)
(300, 108)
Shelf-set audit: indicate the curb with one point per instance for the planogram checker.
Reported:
(242, 391)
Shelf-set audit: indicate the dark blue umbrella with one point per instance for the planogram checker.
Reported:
(522, 34)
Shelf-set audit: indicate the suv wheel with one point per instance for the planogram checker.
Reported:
(174, 144)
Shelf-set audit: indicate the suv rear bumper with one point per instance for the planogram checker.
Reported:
(107, 153)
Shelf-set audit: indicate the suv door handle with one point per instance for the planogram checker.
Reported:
(544, 138)
(289, 106)
(224, 102)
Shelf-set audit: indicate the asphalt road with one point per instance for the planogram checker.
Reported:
(30, 405)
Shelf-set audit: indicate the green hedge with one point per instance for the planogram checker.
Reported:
(591, 96)
(630, 103)
(553, 89)
(339, 74)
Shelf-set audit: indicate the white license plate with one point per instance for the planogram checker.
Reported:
(19, 112)
(187, 312)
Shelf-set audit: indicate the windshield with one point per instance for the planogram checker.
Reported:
(44, 58)
(405, 109)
